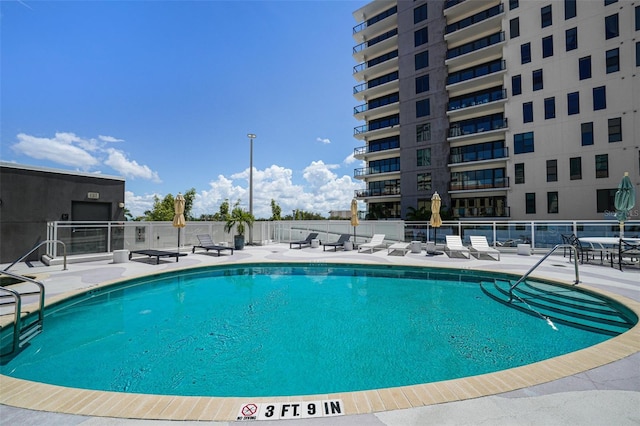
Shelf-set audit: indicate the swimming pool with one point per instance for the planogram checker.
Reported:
(276, 329)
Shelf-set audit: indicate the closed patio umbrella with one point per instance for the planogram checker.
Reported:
(436, 220)
(354, 218)
(178, 218)
(624, 201)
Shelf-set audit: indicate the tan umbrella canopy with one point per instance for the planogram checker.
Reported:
(354, 217)
(178, 217)
(436, 220)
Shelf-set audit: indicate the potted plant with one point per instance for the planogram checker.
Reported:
(239, 219)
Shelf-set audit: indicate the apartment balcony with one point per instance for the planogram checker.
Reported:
(479, 185)
(453, 8)
(477, 105)
(389, 171)
(475, 52)
(477, 128)
(479, 157)
(485, 22)
(363, 91)
(480, 77)
(362, 72)
(371, 10)
(378, 195)
(362, 112)
(481, 212)
(367, 132)
(372, 48)
(363, 31)
(365, 153)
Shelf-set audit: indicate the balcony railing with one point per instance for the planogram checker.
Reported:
(368, 149)
(476, 126)
(468, 157)
(362, 193)
(451, 3)
(479, 99)
(375, 40)
(474, 19)
(366, 171)
(496, 183)
(475, 45)
(477, 71)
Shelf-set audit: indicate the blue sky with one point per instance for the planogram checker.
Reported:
(164, 93)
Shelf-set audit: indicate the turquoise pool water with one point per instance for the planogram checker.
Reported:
(271, 330)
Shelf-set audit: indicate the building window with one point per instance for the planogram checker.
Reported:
(552, 202)
(424, 181)
(525, 53)
(571, 39)
(537, 80)
(569, 9)
(423, 108)
(421, 36)
(584, 67)
(613, 60)
(513, 4)
(602, 166)
(637, 18)
(608, 2)
(514, 27)
(424, 157)
(573, 103)
(575, 168)
(599, 98)
(519, 173)
(545, 16)
(549, 108)
(552, 170)
(423, 132)
(422, 84)
(527, 112)
(637, 53)
(547, 46)
(422, 60)
(605, 200)
(586, 130)
(523, 143)
(615, 129)
(611, 26)
(530, 202)
(420, 13)
(516, 85)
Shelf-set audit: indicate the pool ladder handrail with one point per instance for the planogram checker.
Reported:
(64, 253)
(21, 336)
(557, 246)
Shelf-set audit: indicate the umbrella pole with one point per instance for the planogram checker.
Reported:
(178, 254)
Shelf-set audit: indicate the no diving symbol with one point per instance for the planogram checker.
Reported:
(249, 410)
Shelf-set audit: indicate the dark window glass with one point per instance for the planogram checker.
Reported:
(420, 13)
(547, 47)
(423, 108)
(525, 53)
(530, 202)
(519, 173)
(615, 129)
(527, 112)
(584, 67)
(586, 130)
(421, 36)
(599, 98)
(637, 53)
(545, 16)
(552, 170)
(422, 83)
(613, 60)
(516, 85)
(606, 199)
(611, 26)
(608, 2)
(573, 103)
(513, 4)
(637, 18)
(602, 166)
(550, 108)
(537, 80)
(571, 38)
(514, 27)
(552, 202)
(422, 60)
(523, 143)
(569, 9)
(575, 168)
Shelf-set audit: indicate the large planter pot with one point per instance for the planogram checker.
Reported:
(238, 242)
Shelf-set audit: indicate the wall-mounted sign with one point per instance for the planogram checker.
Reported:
(93, 195)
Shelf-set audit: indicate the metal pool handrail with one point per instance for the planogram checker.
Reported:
(64, 252)
(557, 246)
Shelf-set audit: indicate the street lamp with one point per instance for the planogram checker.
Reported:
(251, 137)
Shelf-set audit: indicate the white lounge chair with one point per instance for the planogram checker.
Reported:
(454, 246)
(377, 241)
(403, 247)
(480, 246)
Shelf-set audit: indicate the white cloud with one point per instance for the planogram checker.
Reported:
(138, 204)
(129, 168)
(109, 139)
(61, 149)
(324, 140)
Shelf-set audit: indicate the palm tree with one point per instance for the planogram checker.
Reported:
(239, 219)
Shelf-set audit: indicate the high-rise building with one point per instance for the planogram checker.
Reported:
(509, 110)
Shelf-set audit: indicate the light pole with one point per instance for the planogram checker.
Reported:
(251, 137)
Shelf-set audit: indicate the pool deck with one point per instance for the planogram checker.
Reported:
(599, 385)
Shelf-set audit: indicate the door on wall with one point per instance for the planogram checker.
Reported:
(89, 239)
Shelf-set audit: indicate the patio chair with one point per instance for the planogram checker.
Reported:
(377, 241)
(340, 243)
(207, 243)
(400, 246)
(305, 242)
(454, 246)
(629, 249)
(480, 246)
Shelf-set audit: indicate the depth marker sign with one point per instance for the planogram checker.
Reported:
(290, 410)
